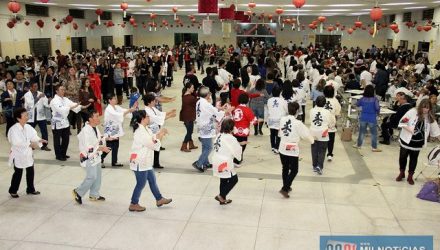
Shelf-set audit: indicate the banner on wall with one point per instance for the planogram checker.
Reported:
(207, 27)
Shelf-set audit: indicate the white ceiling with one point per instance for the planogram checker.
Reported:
(312, 7)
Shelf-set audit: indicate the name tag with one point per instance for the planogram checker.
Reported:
(292, 147)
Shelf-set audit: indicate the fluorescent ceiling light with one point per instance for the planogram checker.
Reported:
(155, 10)
(167, 5)
(358, 13)
(83, 5)
(259, 5)
(44, 3)
(336, 10)
(300, 10)
(415, 7)
(129, 5)
(188, 9)
(307, 5)
(395, 4)
(370, 9)
(346, 5)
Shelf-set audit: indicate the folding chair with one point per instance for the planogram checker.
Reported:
(426, 165)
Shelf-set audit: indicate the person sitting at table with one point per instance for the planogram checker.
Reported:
(352, 83)
(389, 123)
(435, 107)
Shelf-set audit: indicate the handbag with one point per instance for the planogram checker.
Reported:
(346, 134)
(429, 192)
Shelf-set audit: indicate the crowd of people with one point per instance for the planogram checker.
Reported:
(251, 86)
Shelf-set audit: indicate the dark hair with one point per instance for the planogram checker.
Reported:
(208, 71)
(186, 87)
(369, 91)
(148, 98)
(295, 83)
(292, 108)
(329, 91)
(137, 117)
(276, 91)
(134, 89)
(287, 92)
(19, 71)
(270, 76)
(351, 76)
(221, 62)
(89, 113)
(300, 76)
(260, 85)
(227, 126)
(236, 84)
(320, 101)
(110, 96)
(243, 98)
(18, 112)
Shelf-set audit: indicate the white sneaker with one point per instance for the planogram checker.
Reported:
(276, 151)
(329, 158)
(319, 170)
(237, 165)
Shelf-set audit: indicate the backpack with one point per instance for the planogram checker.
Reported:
(429, 192)
(434, 156)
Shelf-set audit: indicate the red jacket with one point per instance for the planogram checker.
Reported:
(243, 117)
(235, 93)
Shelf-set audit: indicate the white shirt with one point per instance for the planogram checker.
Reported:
(225, 149)
(60, 110)
(320, 122)
(373, 68)
(88, 144)
(419, 68)
(39, 107)
(142, 149)
(20, 138)
(365, 75)
(335, 85)
(113, 118)
(206, 117)
(333, 105)
(291, 132)
(277, 108)
(223, 81)
(157, 118)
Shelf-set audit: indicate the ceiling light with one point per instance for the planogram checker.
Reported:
(83, 5)
(346, 5)
(394, 4)
(259, 5)
(167, 5)
(44, 3)
(129, 6)
(415, 7)
(337, 10)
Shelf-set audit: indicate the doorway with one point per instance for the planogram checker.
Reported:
(106, 41)
(79, 44)
(191, 38)
(328, 42)
(423, 46)
(128, 41)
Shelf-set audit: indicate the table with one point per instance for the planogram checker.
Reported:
(386, 111)
(355, 91)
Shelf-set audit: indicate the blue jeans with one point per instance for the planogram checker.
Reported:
(206, 150)
(141, 180)
(363, 130)
(92, 181)
(189, 130)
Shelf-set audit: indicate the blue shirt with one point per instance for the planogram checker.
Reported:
(133, 98)
(370, 109)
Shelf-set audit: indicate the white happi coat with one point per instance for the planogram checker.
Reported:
(226, 148)
(206, 118)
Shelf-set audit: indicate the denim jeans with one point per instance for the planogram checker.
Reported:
(206, 150)
(141, 180)
(318, 153)
(92, 181)
(363, 131)
(189, 130)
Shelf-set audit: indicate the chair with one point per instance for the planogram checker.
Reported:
(426, 165)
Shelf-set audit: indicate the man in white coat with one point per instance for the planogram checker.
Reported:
(23, 139)
(91, 145)
(35, 103)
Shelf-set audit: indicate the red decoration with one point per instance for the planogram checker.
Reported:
(208, 6)
(153, 16)
(110, 24)
(394, 26)
(14, 6)
(371, 31)
(44, 1)
(174, 9)
(338, 24)
(40, 23)
(279, 11)
(92, 26)
(132, 21)
(315, 22)
(358, 24)
(427, 27)
(312, 26)
(75, 26)
(376, 14)
(57, 26)
(123, 25)
(69, 18)
(226, 13)
(252, 5)
(239, 15)
(419, 28)
(330, 28)
(322, 19)
(124, 7)
(396, 30)
(350, 31)
(299, 3)
(10, 24)
(384, 25)
(27, 23)
(99, 13)
(54, 20)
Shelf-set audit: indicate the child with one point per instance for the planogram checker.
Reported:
(320, 121)
(134, 97)
(291, 132)
(277, 108)
(226, 148)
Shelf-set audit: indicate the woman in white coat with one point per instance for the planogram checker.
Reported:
(145, 142)
(417, 125)
(23, 139)
(226, 148)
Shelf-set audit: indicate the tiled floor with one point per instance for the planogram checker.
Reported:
(356, 195)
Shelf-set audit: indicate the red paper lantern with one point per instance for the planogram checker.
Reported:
(132, 20)
(252, 5)
(75, 26)
(394, 26)
(419, 28)
(124, 7)
(350, 31)
(299, 3)
(40, 23)
(409, 24)
(92, 26)
(69, 18)
(376, 14)
(371, 31)
(315, 22)
(27, 23)
(174, 10)
(330, 28)
(153, 16)
(322, 19)
(57, 26)
(384, 25)
(123, 25)
(427, 27)
(208, 6)
(226, 14)
(358, 24)
(338, 24)
(312, 26)
(10, 24)
(343, 27)
(14, 6)
(110, 24)
(279, 11)
(99, 12)
(44, 1)
(396, 30)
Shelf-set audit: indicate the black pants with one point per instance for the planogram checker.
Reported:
(243, 147)
(303, 118)
(227, 184)
(387, 130)
(318, 153)
(75, 119)
(189, 130)
(125, 84)
(331, 143)
(119, 88)
(156, 162)
(413, 157)
(43, 129)
(61, 141)
(290, 170)
(130, 83)
(16, 179)
(9, 123)
(274, 139)
(224, 97)
(141, 83)
(114, 145)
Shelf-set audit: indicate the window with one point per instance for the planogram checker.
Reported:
(106, 41)
(404, 44)
(40, 46)
(36, 10)
(79, 44)
(428, 14)
(406, 17)
(106, 15)
(392, 18)
(75, 13)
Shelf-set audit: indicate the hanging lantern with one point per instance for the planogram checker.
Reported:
(394, 26)
(57, 26)
(322, 19)
(252, 5)
(375, 15)
(69, 18)
(358, 24)
(371, 31)
(279, 12)
(396, 30)
(270, 17)
(92, 26)
(419, 28)
(409, 24)
(124, 7)
(208, 6)
(40, 23)
(99, 13)
(350, 31)
(27, 23)
(330, 28)
(312, 26)
(427, 27)
(132, 20)
(10, 24)
(75, 26)
(174, 10)
(14, 6)
(384, 25)
(298, 5)
(226, 14)
(123, 25)
(153, 16)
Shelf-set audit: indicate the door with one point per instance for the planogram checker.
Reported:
(191, 38)
(79, 44)
(106, 41)
(423, 46)
(328, 41)
(40, 46)
(128, 41)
